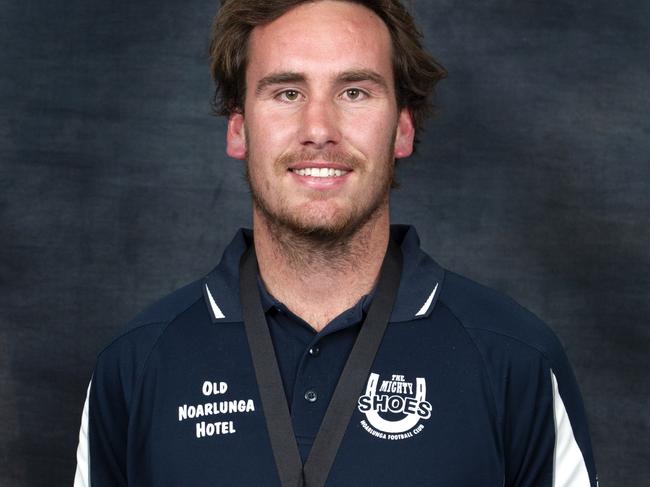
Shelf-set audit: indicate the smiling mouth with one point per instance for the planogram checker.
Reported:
(320, 172)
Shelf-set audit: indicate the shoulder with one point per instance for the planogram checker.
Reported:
(496, 321)
(128, 352)
(534, 390)
(169, 307)
(518, 351)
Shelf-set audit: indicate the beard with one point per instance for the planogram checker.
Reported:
(287, 224)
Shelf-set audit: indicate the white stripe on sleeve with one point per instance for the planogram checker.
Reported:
(82, 475)
(569, 469)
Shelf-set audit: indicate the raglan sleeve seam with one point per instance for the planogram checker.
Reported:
(166, 323)
(141, 366)
(497, 411)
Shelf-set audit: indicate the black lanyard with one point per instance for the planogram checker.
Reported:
(350, 384)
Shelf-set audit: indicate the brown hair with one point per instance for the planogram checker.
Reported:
(415, 71)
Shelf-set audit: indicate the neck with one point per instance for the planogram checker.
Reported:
(316, 279)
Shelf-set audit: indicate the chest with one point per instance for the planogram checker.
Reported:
(424, 417)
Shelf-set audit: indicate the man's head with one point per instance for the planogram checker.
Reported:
(415, 71)
(317, 107)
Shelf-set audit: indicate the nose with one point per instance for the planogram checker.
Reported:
(320, 124)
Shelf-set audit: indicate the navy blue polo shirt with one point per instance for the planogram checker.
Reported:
(467, 388)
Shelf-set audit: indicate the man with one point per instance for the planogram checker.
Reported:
(232, 380)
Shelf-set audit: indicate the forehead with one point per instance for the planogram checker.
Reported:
(321, 37)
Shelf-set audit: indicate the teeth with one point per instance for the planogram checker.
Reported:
(320, 172)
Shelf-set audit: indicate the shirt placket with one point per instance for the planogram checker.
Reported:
(319, 367)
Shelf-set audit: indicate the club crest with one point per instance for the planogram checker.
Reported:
(394, 408)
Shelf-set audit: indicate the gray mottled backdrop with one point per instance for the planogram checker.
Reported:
(115, 189)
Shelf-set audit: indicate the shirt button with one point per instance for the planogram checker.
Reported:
(311, 396)
(313, 351)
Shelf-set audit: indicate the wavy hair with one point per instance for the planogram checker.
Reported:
(416, 72)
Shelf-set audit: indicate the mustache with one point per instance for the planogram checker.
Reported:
(341, 157)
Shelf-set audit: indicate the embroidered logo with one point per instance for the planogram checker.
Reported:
(394, 409)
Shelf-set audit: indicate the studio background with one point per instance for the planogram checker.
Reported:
(115, 189)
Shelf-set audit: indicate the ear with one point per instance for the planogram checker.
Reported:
(404, 135)
(236, 136)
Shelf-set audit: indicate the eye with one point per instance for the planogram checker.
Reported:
(289, 95)
(354, 94)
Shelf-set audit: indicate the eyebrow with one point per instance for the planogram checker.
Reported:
(279, 78)
(351, 76)
(357, 75)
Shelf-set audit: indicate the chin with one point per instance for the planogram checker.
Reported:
(316, 221)
(321, 228)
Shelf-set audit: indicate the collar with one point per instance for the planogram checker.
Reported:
(419, 288)
(351, 316)
(269, 301)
